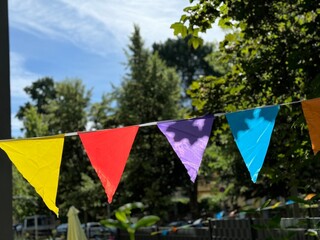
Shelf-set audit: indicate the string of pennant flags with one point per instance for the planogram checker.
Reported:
(39, 159)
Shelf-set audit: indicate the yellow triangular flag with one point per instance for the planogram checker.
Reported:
(38, 160)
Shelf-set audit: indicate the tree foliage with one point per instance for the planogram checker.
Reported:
(190, 63)
(273, 57)
(102, 114)
(61, 107)
(40, 92)
(277, 37)
(150, 92)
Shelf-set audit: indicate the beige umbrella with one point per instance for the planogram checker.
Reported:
(75, 232)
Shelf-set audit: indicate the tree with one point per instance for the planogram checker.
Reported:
(26, 201)
(150, 92)
(277, 37)
(190, 63)
(34, 123)
(71, 104)
(102, 114)
(274, 58)
(64, 111)
(40, 92)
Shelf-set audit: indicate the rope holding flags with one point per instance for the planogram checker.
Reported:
(39, 159)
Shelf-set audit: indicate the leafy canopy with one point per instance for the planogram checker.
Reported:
(150, 92)
(271, 55)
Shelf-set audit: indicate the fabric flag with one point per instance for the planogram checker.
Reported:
(252, 131)
(311, 111)
(108, 151)
(38, 160)
(188, 139)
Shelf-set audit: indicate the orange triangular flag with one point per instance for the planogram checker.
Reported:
(311, 111)
(38, 160)
(108, 151)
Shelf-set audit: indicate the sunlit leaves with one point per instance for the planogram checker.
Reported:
(274, 58)
(196, 41)
(179, 28)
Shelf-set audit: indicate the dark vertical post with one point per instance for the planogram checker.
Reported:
(5, 126)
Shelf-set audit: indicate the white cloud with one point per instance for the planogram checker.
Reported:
(19, 76)
(118, 16)
(99, 26)
(58, 21)
(16, 125)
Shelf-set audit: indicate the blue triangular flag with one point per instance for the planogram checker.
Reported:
(252, 131)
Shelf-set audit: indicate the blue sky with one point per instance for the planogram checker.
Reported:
(82, 39)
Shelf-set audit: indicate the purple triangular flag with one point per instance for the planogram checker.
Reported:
(188, 139)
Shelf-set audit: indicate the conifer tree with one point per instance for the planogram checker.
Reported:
(150, 92)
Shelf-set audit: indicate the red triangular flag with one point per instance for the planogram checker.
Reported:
(108, 151)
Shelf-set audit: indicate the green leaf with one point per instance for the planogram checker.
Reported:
(183, 18)
(230, 37)
(191, 8)
(121, 216)
(223, 9)
(195, 41)
(312, 232)
(242, 25)
(281, 26)
(195, 31)
(225, 23)
(146, 221)
(113, 223)
(179, 28)
(266, 204)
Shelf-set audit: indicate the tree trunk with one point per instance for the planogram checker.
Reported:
(194, 206)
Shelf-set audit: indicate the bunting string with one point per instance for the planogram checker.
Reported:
(148, 124)
(38, 159)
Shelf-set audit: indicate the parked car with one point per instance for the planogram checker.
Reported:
(17, 229)
(200, 222)
(93, 230)
(177, 224)
(38, 226)
(61, 231)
